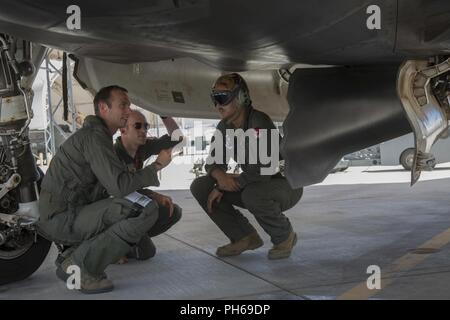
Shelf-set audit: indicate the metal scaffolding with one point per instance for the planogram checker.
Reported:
(52, 127)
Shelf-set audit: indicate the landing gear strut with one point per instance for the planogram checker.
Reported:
(424, 89)
(22, 250)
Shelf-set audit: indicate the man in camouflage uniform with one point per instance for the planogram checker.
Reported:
(75, 206)
(134, 147)
(265, 196)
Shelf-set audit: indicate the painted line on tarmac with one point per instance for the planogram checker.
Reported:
(401, 265)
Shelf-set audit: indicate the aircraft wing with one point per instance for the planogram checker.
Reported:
(328, 68)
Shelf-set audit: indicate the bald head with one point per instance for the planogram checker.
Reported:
(135, 131)
(136, 115)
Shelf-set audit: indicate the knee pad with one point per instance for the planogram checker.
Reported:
(199, 185)
(176, 215)
(143, 250)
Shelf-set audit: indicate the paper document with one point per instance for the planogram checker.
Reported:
(138, 198)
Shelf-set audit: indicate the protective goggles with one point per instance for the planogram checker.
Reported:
(223, 97)
(139, 125)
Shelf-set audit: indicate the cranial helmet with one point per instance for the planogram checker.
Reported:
(240, 91)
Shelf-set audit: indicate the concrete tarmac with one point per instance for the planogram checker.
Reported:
(359, 219)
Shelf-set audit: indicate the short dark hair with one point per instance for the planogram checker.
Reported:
(104, 94)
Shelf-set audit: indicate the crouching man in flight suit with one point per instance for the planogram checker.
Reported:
(134, 147)
(265, 196)
(75, 206)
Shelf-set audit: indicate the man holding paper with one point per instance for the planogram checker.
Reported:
(134, 147)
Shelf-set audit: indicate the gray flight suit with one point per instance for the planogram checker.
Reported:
(265, 196)
(145, 248)
(75, 204)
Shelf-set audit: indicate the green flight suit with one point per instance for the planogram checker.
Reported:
(145, 249)
(75, 204)
(265, 196)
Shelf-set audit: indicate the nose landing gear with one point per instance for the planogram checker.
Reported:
(22, 249)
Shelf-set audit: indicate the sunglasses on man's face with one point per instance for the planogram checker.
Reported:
(139, 125)
(223, 97)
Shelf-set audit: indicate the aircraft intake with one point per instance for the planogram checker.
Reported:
(336, 111)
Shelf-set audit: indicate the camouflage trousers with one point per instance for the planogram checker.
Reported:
(104, 231)
(265, 200)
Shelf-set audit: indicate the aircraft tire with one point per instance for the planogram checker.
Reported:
(20, 266)
(21, 262)
(407, 158)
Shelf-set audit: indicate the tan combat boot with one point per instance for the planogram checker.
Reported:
(89, 284)
(283, 249)
(95, 284)
(250, 242)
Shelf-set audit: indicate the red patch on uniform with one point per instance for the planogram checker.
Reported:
(257, 132)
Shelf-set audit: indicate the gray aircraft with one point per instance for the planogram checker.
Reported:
(342, 75)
